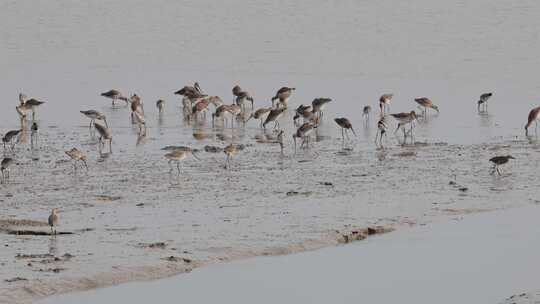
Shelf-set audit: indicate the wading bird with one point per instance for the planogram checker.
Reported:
(273, 116)
(159, 105)
(283, 95)
(498, 161)
(534, 114)
(345, 125)
(382, 128)
(233, 110)
(482, 102)
(4, 167)
(260, 114)
(230, 150)
(76, 156)
(178, 155)
(404, 119)
(93, 115)
(115, 95)
(53, 221)
(425, 103)
(384, 102)
(105, 134)
(240, 96)
(303, 132)
(366, 111)
(10, 137)
(318, 105)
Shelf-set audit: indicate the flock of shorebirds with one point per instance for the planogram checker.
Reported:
(196, 104)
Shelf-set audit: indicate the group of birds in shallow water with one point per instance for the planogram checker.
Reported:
(196, 104)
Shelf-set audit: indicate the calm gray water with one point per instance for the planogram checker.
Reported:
(68, 52)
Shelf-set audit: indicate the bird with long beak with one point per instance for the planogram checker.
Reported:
(318, 105)
(115, 95)
(260, 114)
(230, 150)
(303, 132)
(283, 95)
(425, 103)
(94, 115)
(105, 134)
(404, 119)
(274, 116)
(178, 155)
(345, 125)
(498, 161)
(77, 155)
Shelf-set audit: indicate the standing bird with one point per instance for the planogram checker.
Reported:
(403, 119)
(273, 116)
(230, 150)
(33, 104)
(233, 109)
(345, 125)
(9, 137)
(34, 130)
(483, 101)
(138, 117)
(53, 221)
(242, 97)
(318, 105)
(115, 95)
(303, 132)
(259, 114)
(382, 128)
(4, 167)
(159, 104)
(105, 134)
(425, 103)
(366, 111)
(77, 155)
(499, 160)
(93, 115)
(534, 115)
(179, 155)
(384, 102)
(283, 95)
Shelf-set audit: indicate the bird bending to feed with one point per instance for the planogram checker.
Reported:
(303, 132)
(534, 115)
(34, 130)
(425, 103)
(382, 128)
(318, 105)
(77, 155)
(190, 94)
(482, 102)
(366, 111)
(115, 95)
(159, 105)
(384, 102)
(345, 125)
(499, 160)
(230, 150)
(105, 134)
(273, 116)
(53, 221)
(4, 167)
(9, 137)
(240, 96)
(178, 155)
(404, 119)
(283, 95)
(259, 114)
(93, 115)
(233, 110)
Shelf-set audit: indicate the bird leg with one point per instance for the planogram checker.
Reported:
(178, 167)
(170, 165)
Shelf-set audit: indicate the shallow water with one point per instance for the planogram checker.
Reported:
(66, 53)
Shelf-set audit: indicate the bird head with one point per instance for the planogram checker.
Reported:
(510, 157)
